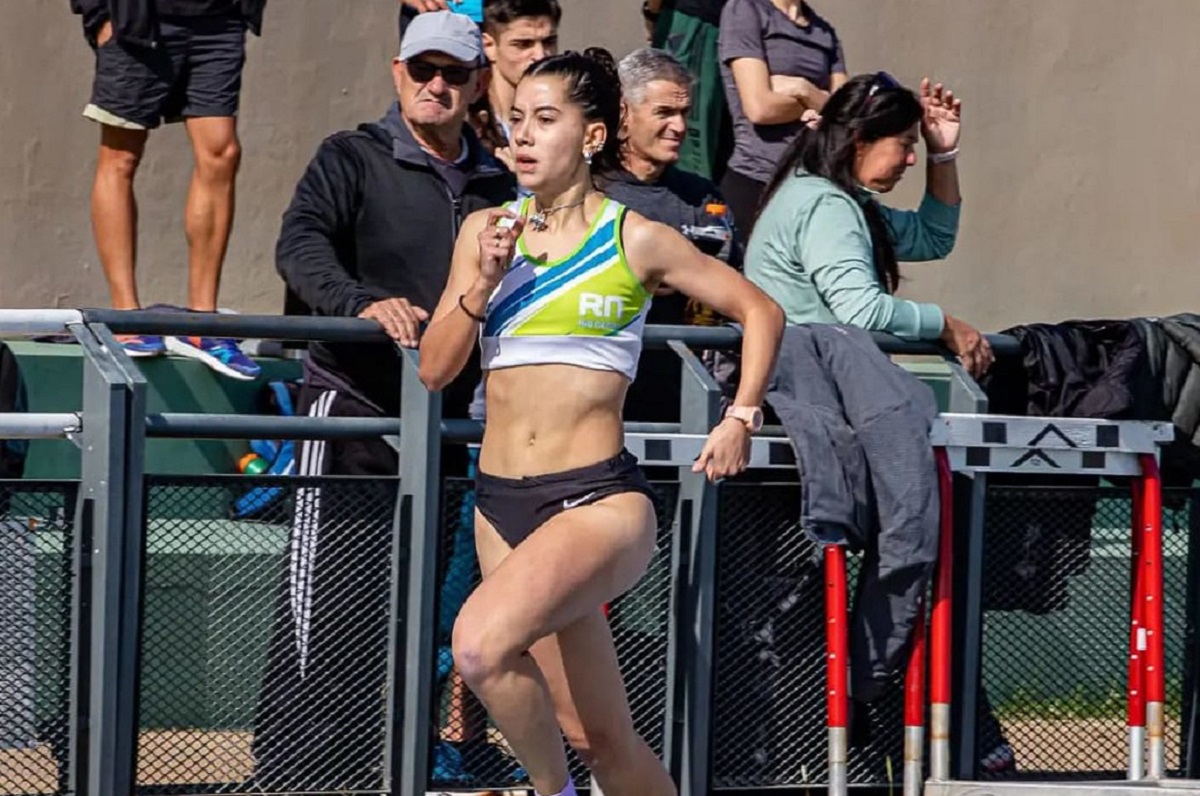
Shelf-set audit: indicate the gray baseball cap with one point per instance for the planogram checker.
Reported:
(456, 35)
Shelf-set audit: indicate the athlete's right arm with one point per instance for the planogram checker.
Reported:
(482, 253)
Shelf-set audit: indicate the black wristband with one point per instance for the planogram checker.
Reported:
(462, 306)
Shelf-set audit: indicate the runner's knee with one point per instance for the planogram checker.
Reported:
(481, 651)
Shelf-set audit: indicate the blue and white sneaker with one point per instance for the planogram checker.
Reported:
(219, 353)
(142, 345)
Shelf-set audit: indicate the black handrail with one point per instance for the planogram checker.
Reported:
(358, 330)
(717, 337)
(188, 425)
(212, 324)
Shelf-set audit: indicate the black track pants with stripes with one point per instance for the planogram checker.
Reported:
(321, 709)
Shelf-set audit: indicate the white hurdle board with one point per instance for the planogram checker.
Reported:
(678, 450)
(974, 443)
(1047, 446)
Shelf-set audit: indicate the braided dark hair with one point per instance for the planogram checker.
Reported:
(595, 86)
(867, 108)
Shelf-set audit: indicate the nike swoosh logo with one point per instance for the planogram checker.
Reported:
(570, 504)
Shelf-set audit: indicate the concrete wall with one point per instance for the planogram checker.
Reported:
(1078, 166)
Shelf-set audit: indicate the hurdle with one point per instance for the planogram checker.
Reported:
(972, 444)
(980, 444)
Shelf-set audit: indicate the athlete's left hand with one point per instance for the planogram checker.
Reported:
(727, 451)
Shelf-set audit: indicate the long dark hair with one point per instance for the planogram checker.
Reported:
(867, 108)
(594, 85)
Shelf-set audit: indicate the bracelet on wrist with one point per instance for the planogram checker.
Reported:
(943, 157)
(463, 306)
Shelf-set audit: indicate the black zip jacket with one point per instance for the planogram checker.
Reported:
(678, 199)
(372, 219)
(1144, 369)
(136, 22)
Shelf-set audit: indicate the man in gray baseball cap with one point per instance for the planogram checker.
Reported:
(454, 34)
(438, 76)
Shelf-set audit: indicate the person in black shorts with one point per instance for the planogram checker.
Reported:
(554, 288)
(156, 61)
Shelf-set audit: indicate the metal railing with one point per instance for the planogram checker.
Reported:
(109, 623)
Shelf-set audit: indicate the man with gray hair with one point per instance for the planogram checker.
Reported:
(657, 95)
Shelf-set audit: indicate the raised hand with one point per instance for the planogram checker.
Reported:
(498, 244)
(942, 122)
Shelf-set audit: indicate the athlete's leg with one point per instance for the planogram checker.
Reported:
(563, 572)
(580, 666)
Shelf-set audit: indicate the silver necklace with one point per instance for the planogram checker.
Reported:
(538, 220)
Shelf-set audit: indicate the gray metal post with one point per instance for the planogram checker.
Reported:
(1190, 742)
(110, 519)
(970, 493)
(970, 498)
(394, 678)
(700, 410)
(420, 520)
(966, 396)
(79, 693)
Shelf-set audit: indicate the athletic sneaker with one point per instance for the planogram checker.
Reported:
(142, 345)
(219, 353)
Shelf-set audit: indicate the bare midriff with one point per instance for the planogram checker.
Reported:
(549, 418)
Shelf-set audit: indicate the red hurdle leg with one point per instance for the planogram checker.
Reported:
(940, 640)
(914, 710)
(837, 660)
(1135, 710)
(1153, 676)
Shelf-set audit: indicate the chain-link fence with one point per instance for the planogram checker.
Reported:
(468, 751)
(264, 640)
(265, 634)
(36, 587)
(1055, 640)
(769, 727)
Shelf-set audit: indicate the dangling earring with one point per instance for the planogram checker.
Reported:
(587, 156)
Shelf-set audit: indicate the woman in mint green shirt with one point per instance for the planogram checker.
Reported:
(827, 251)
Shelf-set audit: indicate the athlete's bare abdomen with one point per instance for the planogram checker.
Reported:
(550, 418)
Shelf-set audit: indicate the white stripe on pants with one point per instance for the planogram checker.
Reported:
(305, 530)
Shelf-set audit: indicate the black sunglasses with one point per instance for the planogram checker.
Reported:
(882, 82)
(423, 72)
